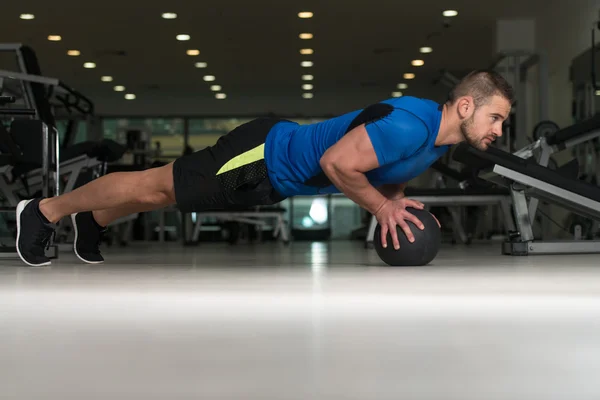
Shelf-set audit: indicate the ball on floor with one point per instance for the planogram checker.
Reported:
(420, 252)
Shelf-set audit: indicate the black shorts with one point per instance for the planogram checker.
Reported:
(232, 174)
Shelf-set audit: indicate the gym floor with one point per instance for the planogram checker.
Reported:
(308, 321)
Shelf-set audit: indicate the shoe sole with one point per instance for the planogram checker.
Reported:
(20, 207)
(75, 243)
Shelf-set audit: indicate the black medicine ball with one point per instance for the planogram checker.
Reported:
(420, 252)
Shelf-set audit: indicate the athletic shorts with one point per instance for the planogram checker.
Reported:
(232, 174)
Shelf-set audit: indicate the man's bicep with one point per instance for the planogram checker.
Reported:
(354, 150)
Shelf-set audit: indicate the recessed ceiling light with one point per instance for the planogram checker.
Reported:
(306, 36)
(89, 65)
(169, 15)
(402, 86)
(106, 78)
(425, 50)
(417, 63)
(193, 52)
(220, 96)
(215, 88)
(450, 13)
(183, 37)
(201, 65)
(54, 38)
(307, 86)
(307, 77)
(130, 96)
(396, 94)
(305, 14)
(74, 53)
(119, 88)
(306, 51)
(209, 78)
(307, 95)
(306, 64)
(27, 16)
(409, 76)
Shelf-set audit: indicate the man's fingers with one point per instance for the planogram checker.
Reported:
(384, 231)
(394, 234)
(413, 218)
(407, 231)
(436, 220)
(414, 204)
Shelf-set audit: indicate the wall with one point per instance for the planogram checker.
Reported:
(562, 32)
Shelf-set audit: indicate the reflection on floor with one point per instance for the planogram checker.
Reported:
(308, 321)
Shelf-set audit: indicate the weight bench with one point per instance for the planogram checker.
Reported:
(256, 216)
(456, 197)
(526, 178)
(554, 140)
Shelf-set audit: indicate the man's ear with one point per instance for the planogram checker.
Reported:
(465, 106)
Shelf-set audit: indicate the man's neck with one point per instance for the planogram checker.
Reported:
(449, 131)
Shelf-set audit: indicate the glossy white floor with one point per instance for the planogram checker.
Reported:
(309, 321)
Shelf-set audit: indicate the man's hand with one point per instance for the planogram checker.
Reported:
(393, 213)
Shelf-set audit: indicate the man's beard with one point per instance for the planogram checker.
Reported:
(466, 128)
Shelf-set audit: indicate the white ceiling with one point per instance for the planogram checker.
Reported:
(252, 47)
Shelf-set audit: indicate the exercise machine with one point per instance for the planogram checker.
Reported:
(526, 178)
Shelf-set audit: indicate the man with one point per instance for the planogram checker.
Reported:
(367, 154)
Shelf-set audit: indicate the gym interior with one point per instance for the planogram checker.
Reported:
(295, 300)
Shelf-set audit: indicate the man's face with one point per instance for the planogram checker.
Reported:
(485, 124)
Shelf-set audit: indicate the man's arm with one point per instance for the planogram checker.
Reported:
(346, 163)
(392, 191)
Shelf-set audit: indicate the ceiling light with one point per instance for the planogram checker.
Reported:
(130, 96)
(220, 96)
(402, 86)
(305, 14)
(106, 79)
(307, 77)
(307, 86)
(89, 65)
(27, 16)
(201, 65)
(597, 92)
(306, 36)
(119, 88)
(307, 95)
(409, 76)
(209, 78)
(215, 88)
(425, 50)
(396, 94)
(193, 52)
(306, 64)
(169, 15)
(73, 53)
(54, 38)
(417, 63)
(450, 13)
(183, 37)
(306, 51)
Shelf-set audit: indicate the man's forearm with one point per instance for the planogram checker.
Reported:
(356, 187)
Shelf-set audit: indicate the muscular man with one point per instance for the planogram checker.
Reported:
(367, 154)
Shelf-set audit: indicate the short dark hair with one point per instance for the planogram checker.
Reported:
(482, 84)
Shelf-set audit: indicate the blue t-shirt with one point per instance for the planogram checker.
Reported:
(402, 130)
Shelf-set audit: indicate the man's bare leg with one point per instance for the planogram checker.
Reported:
(140, 190)
(108, 215)
(112, 196)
